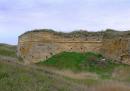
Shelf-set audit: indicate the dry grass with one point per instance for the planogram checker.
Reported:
(33, 78)
(111, 86)
(18, 77)
(122, 73)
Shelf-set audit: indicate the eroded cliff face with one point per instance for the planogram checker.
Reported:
(40, 45)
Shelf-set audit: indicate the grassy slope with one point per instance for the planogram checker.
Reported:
(16, 77)
(7, 50)
(22, 78)
(82, 62)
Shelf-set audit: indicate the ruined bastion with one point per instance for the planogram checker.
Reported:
(39, 45)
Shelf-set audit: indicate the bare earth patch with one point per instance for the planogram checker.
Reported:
(79, 75)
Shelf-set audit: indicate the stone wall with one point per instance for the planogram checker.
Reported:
(38, 46)
(116, 45)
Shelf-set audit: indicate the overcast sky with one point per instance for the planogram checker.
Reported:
(18, 16)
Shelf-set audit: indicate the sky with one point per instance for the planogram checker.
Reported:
(19, 16)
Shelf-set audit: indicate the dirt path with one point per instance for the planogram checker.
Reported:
(74, 75)
(80, 75)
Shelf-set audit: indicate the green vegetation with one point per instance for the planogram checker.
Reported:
(18, 77)
(87, 81)
(108, 33)
(92, 62)
(76, 33)
(7, 50)
(23, 78)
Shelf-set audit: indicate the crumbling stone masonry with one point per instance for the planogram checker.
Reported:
(39, 45)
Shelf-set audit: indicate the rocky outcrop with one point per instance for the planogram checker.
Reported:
(39, 45)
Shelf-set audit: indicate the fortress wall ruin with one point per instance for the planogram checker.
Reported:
(41, 45)
(37, 46)
(117, 49)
